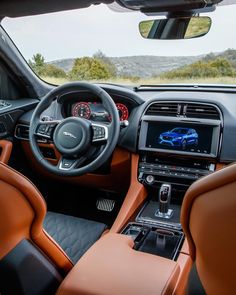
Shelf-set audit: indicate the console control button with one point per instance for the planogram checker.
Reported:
(150, 179)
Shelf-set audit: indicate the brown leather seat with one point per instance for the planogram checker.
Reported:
(209, 221)
(22, 211)
(31, 262)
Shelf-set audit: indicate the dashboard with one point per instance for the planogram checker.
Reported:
(205, 119)
(179, 135)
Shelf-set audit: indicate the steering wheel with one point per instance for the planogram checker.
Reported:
(79, 141)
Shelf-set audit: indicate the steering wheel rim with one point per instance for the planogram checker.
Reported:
(111, 131)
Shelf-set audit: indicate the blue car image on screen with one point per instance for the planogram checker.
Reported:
(179, 137)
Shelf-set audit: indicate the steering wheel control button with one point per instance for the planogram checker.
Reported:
(50, 130)
(42, 129)
(100, 133)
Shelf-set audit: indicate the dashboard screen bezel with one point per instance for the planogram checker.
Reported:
(216, 134)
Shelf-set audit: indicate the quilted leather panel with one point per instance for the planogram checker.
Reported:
(74, 235)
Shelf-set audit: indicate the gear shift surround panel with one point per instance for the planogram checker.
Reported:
(166, 215)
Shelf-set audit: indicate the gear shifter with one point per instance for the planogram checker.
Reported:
(164, 202)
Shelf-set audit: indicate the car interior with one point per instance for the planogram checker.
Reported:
(116, 189)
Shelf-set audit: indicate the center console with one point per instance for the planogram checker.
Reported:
(179, 143)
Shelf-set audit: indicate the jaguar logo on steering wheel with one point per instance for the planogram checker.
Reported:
(69, 134)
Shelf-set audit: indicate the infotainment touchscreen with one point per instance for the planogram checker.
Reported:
(194, 138)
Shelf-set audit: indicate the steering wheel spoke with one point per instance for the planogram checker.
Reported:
(100, 133)
(67, 164)
(45, 129)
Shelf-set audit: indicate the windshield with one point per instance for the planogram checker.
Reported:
(97, 44)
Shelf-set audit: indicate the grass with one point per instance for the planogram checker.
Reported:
(152, 81)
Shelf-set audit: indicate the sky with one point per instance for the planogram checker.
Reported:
(82, 32)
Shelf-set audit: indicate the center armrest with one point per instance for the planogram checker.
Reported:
(112, 266)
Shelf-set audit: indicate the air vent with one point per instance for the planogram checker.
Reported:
(164, 109)
(204, 111)
(22, 132)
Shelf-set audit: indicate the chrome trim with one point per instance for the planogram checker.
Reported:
(5, 107)
(66, 169)
(184, 102)
(18, 137)
(166, 224)
(43, 135)
(167, 215)
(49, 122)
(26, 139)
(62, 168)
(66, 133)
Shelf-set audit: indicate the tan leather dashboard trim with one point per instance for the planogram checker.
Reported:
(6, 149)
(117, 180)
(135, 196)
(220, 166)
(111, 266)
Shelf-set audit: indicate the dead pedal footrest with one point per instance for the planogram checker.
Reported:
(105, 204)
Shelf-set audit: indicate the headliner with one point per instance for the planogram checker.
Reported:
(17, 8)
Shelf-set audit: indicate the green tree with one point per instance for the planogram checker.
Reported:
(37, 63)
(99, 55)
(218, 67)
(44, 69)
(53, 71)
(89, 68)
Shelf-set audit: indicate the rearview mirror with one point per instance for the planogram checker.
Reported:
(175, 28)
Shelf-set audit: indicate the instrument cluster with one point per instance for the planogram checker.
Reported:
(96, 112)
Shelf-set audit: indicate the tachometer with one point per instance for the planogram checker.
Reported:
(82, 110)
(123, 111)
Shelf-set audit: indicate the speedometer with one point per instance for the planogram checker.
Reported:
(82, 110)
(123, 111)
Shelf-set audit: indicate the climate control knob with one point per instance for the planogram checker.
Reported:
(150, 179)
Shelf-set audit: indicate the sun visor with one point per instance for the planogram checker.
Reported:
(167, 5)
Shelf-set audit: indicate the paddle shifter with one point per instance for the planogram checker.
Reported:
(164, 202)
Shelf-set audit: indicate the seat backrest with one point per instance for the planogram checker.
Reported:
(208, 218)
(22, 211)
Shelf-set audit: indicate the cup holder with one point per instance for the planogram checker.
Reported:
(156, 240)
(165, 232)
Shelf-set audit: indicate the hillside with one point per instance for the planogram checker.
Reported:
(229, 54)
(138, 66)
(212, 65)
(151, 66)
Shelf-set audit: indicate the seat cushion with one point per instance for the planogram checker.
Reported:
(74, 235)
